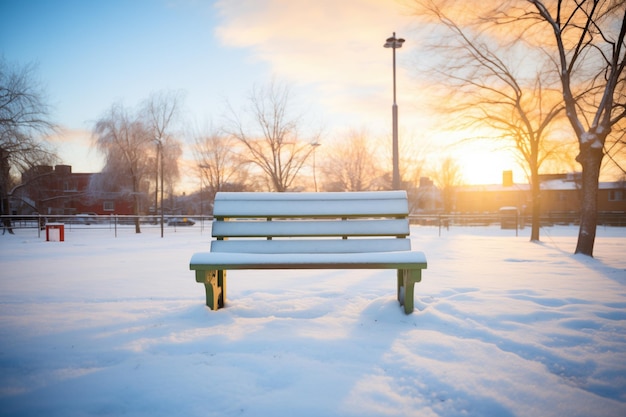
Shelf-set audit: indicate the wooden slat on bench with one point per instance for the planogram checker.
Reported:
(305, 228)
(310, 245)
(353, 204)
(376, 260)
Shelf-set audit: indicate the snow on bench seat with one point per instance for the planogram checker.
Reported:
(370, 260)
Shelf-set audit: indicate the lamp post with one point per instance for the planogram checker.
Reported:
(159, 170)
(202, 167)
(314, 145)
(161, 163)
(395, 43)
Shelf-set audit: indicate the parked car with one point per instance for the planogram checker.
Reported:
(175, 221)
(84, 218)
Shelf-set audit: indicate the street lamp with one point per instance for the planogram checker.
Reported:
(394, 43)
(314, 145)
(159, 169)
(202, 168)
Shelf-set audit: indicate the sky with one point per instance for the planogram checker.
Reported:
(92, 54)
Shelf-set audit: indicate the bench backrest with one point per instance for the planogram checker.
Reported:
(310, 222)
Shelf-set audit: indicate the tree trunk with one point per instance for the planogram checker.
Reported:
(536, 206)
(5, 180)
(6, 210)
(136, 205)
(136, 211)
(591, 160)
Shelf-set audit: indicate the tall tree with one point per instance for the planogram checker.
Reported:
(589, 52)
(447, 177)
(272, 139)
(492, 87)
(218, 162)
(159, 115)
(126, 143)
(24, 121)
(350, 164)
(172, 152)
(414, 153)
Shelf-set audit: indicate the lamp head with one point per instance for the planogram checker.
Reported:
(394, 42)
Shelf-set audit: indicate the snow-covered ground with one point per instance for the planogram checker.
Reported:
(105, 325)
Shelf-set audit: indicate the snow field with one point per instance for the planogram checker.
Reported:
(99, 325)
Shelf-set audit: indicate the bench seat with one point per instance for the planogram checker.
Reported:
(372, 260)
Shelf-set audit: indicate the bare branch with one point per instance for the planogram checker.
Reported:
(272, 141)
(24, 122)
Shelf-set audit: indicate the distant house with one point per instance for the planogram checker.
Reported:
(560, 194)
(426, 198)
(58, 191)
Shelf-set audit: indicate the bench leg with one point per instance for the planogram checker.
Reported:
(406, 286)
(401, 286)
(214, 286)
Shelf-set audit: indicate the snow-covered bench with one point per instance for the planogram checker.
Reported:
(348, 230)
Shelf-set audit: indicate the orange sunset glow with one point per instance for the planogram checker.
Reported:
(329, 53)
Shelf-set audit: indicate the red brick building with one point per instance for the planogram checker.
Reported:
(58, 191)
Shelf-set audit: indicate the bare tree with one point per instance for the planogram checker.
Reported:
(615, 151)
(414, 153)
(126, 144)
(24, 120)
(219, 163)
(272, 141)
(159, 114)
(350, 164)
(447, 177)
(172, 152)
(492, 87)
(589, 52)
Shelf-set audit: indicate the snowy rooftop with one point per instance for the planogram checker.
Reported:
(551, 184)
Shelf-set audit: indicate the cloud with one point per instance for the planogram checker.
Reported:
(335, 47)
(74, 147)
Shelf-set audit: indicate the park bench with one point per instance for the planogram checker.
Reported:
(343, 230)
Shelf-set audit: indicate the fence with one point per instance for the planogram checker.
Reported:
(442, 221)
(114, 223)
(517, 222)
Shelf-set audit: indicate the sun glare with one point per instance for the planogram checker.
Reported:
(485, 167)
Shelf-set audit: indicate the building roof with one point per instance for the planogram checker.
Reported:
(560, 182)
